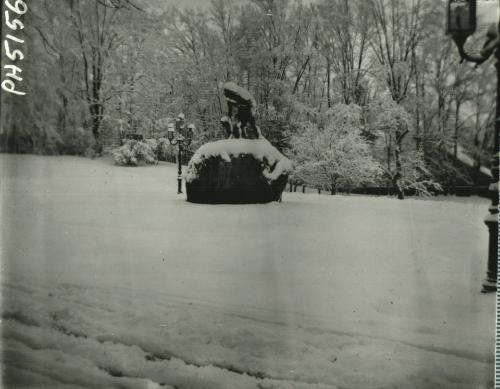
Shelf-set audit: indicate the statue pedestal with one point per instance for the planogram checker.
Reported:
(237, 171)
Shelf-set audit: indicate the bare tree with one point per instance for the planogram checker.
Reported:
(396, 32)
(93, 23)
(344, 42)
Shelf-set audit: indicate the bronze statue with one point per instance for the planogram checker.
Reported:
(242, 104)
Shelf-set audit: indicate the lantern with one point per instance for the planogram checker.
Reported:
(461, 18)
(170, 132)
(179, 123)
(190, 131)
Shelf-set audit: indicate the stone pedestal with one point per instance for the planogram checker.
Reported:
(237, 171)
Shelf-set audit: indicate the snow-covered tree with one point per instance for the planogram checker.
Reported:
(415, 176)
(332, 154)
(392, 123)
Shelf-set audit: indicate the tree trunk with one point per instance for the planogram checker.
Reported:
(398, 175)
(95, 131)
(399, 191)
(455, 144)
(328, 80)
(417, 112)
(424, 123)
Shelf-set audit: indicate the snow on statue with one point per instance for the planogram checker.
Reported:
(240, 100)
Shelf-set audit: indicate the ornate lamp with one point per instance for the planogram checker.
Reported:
(190, 131)
(179, 123)
(170, 132)
(461, 24)
(462, 17)
(176, 137)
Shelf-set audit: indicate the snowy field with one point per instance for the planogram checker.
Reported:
(112, 280)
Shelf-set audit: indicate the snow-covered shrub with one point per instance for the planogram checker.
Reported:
(335, 156)
(341, 116)
(165, 151)
(78, 141)
(133, 152)
(152, 143)
(415, 176)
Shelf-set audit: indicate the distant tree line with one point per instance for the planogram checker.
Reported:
(357, 92)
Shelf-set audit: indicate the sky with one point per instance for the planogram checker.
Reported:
(192, 3)
(197, 3)
(205, 3)
(488, 11)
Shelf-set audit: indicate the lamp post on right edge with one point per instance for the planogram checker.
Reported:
(461, 23)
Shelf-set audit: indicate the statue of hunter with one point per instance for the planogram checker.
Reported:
(240, 119)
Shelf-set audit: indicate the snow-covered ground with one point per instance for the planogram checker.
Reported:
(112, 280)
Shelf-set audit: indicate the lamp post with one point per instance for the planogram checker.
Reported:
(461, 18)
(181, 137)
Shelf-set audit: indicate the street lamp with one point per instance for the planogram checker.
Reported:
(462, 17)
(181, 137)
(461, 24)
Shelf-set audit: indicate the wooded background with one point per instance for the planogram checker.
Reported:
(375, 83)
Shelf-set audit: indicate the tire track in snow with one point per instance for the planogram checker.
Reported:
(462, 354)
(260, 378)
(246, 314)
(62, 309)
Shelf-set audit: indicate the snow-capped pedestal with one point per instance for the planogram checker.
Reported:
(237, 171)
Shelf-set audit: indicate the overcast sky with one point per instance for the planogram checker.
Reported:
(195, 3)
(488, 10)
(206, 3)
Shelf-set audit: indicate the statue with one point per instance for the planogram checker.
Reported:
(244, 167)
(242, 104)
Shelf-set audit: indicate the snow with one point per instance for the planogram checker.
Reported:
(238, 95)
(111, 279)
(275, 164)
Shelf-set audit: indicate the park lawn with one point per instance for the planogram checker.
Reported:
(111, 279)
